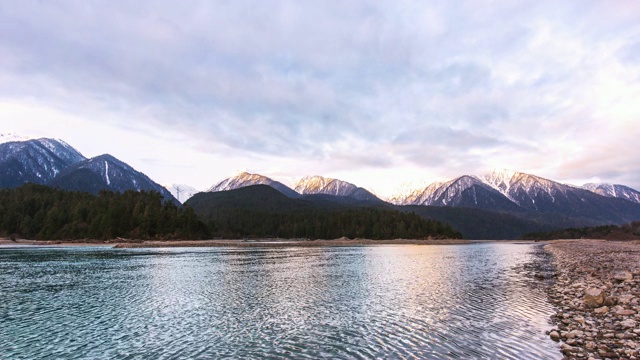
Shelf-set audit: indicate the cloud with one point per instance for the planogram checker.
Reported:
(453, 87)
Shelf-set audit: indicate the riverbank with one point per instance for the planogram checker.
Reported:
(597, 293)
(124, 243)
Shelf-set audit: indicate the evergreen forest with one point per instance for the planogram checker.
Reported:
(629, 231)
(45, 213)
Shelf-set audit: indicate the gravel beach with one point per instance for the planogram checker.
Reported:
(597, 293)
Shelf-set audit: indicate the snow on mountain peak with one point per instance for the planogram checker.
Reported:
(182, 192)
(328, 186)
(242, 179)
(11, 137)
(614, 191)
(313, 184)
(245, 179)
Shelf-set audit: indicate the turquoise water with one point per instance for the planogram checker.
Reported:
(457, 302)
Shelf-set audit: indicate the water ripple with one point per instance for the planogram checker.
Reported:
(404, 302)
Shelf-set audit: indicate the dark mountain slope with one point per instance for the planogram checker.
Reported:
(105, 172)
(34, 161)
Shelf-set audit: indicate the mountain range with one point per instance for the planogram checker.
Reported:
(523, 202)
(55, 163)
(502, 204)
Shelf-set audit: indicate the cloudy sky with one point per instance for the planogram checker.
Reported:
(377, 93)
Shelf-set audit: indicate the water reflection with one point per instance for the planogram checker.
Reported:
(363, 302)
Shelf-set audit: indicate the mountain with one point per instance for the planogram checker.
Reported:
(182, 192)
(614, 191)
(312, 185)
(262, 211)
(532, 192)
(465, 191)
(528, 197)
(245, 179)
(539, 195)
(105, 172)
(35, 161)
(480, 224)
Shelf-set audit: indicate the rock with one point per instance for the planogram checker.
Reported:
(596, 292)
(628, 324)
(622, 276)
(539, 276)
(625, 299)
(574, 334)
(566, 348)
(593, 297)
(610, 301)
(625, 312)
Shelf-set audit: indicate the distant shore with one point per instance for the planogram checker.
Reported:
(125, 243)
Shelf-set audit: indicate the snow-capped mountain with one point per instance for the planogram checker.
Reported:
(468, 191)
(320, 185)
(245, 179)
(56, 163)
(614, 191)
(525, 189)
(36, 161)
(182, 192)
(516, 192)
(407, 192)
(105, 172)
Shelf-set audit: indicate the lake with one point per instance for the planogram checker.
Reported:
(387, 301)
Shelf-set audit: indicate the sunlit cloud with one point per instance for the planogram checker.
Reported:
(372, 93)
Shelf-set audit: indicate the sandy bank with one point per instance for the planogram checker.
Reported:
(287, 243)
(597, 292)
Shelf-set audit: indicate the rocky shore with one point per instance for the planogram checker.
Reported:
(597, 294)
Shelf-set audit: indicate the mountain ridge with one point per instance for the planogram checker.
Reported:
(328, 186)
(55, 163)
(105, 172)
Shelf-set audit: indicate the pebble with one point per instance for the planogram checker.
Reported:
(596, 294)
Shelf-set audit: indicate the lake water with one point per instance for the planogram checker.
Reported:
(428, 302)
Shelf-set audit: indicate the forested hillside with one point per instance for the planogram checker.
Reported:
(41, 212)
(608, 232)
(261, 211)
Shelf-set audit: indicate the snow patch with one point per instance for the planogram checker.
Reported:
(106, 173)
(11, 137)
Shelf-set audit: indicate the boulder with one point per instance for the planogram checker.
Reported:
(593, 297)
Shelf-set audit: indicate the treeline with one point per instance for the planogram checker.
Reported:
(608, 232)
(368, 223)
(45, 213)
(41, 212)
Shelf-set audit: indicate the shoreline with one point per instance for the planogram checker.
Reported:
(596, 293)
(130, 244)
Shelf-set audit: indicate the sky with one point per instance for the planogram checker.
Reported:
(382, 94)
